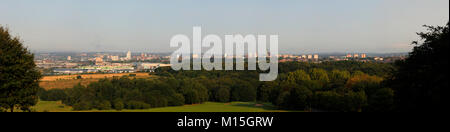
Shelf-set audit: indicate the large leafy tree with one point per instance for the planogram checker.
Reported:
(18, 74)
(423, 75)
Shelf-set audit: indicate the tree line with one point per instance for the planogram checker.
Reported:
(314, 88)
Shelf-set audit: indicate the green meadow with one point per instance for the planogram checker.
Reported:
(57, 106)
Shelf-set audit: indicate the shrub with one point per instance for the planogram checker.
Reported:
(223, 94)
(118, 104)
(177, 100)
(137, 105)
(83, 105)
(103, 105)
(52, 95)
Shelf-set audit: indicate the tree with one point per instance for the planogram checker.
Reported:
(265, 91)
(223, 94)
(421, 77)
(52, 94)
(381, 101)
(319, 74)
(364, 82)
(83, 105)
(298, 76)
(338, 76)
(243, 91)
(191, 97)
(299, 98)
(103, 105)
(18, 74)
(118, 104)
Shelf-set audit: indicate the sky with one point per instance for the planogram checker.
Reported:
(303, 26)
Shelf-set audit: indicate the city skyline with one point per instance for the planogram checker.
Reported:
(349, 26)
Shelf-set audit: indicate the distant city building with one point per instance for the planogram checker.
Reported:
(69, 58)
(363, 56)
(355, 56)
(114, 58)
(349, 56)
(304, 57)
(98, 59)
(310, 56)
(128, 55)
(316, 56)
(378, 58)
(195, 56)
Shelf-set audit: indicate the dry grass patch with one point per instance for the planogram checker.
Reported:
(68, 81)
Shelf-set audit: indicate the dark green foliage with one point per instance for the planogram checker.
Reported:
(177, 100)
(243, 91)
(83, 105)
(334, 90)
(193, 91)
(102, 105)
(191, 96)
(137, 105)
(420, 78)
(333, 101)
(118, 104)
(371, 68)
(265, 91)
(295, 98)
(223, 94)
(18, 74)
(381, 101)
(319, 75)
(299, 98)
(52, 95)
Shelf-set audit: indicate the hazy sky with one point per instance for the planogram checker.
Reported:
(147, 25)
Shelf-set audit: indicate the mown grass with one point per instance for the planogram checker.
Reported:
(56, 106)
(51, 106)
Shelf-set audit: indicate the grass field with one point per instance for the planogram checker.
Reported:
(56, 106)
(68, 81)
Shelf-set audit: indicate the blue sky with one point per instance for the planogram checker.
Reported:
(304, 26)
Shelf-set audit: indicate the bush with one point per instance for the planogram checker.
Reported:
(177, 100)
(223, 94)
(191, 97)
(103, 105)
(137, 105)
(299, 98)
(52, 95)
(118, 105)
(83, 105)
(243, 91)
(346, 102)
(381, 101)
